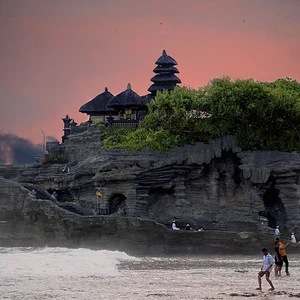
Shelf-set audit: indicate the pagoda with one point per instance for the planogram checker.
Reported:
(165, 78)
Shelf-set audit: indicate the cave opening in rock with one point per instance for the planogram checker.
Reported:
(228, 164)
(274, 209)
(117, 204)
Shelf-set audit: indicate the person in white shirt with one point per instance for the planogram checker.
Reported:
(174, 227)
(266, 269)
(293, 238)
(277, 232)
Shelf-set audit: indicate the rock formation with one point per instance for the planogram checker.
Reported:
(215, 186)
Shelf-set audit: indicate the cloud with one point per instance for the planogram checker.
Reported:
(18, 151)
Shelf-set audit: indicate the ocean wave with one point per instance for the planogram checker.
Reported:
(48, 261)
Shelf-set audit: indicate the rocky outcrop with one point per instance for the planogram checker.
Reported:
(215, 185)
(28, 221)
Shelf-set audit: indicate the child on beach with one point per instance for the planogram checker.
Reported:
(266, 268)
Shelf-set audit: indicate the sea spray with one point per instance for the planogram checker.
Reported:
(59, 262)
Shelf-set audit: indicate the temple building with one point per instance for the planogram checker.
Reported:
(165, 78)
(129, 104)
(97, 108)
(127, 108)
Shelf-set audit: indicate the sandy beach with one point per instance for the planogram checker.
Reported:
(60, 273)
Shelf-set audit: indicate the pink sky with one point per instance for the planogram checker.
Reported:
(57, 55)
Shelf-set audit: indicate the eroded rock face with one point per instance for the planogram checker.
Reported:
(214, 186)
(28, 221)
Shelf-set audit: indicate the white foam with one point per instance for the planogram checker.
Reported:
(59, 262)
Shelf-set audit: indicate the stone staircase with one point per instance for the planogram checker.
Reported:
(40, 193)
(72, 208)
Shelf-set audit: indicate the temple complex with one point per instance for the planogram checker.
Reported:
(127, 108)
(82, 195)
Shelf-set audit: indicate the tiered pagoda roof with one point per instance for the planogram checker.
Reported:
(98, 104)
(165, 78)
(128, 98)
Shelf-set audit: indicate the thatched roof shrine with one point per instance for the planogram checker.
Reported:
(127, 98)
(98, 104)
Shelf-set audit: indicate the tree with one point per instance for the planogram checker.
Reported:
(263, 116)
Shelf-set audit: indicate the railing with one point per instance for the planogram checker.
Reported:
(125, 123)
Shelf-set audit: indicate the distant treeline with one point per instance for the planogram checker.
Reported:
(262, 115)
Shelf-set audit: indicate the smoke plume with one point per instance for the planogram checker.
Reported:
(51, 138)
(18, 151)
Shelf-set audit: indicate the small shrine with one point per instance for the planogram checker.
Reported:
(97, 108)
(67, 128)
(129, 104)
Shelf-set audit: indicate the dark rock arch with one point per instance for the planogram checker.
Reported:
(117, 204)
(274, 208)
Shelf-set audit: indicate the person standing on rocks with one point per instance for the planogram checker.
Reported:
(283, 254)
(266, 268)
(277, 232)
(293, 238)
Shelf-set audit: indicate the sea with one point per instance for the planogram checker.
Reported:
(62, 273)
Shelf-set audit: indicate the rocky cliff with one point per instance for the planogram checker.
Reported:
(28, 221)
(215, 186)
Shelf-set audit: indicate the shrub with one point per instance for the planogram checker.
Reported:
(263, 116)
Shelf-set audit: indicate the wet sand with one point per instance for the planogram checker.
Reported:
(221, 277)
(60, 273)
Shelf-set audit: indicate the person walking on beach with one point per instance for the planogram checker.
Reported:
(283, 254)
(266, 269)
(278, 260)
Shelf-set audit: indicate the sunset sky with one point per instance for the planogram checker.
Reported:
(58, 54)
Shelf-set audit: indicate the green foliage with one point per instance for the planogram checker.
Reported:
(263, 116)
(97, 123)
(159, 140)
(113, 137)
